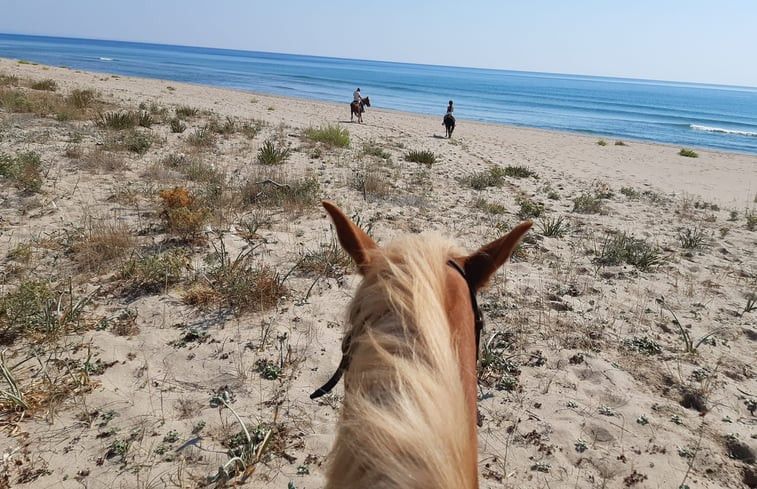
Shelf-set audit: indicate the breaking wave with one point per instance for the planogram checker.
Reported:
(697, 127)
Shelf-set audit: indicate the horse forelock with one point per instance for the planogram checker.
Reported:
(404, 367)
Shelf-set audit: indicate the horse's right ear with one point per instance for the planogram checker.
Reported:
(353, 239)
(483, 263)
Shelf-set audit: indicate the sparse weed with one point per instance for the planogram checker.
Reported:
(24, 170)
(491, 208)
(528, 209)
(588, 204)
(81, 99)
(424, 157)
(622, 248)
(519, 171)
(691, 238)
(153, 272)
(118, 120)
(688, 153)
(330, 135)
(280, 190)
(48, 85)
(177, 126)
(185, 111)
(376, 151)
(271, 153)
(494, 177)
(553, 227)
(201, 138)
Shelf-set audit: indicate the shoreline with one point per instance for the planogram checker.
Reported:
(728, 178)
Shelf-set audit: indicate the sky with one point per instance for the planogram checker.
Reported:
(676, 40)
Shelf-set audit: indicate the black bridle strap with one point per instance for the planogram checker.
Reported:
(345, 362)
(478, 317)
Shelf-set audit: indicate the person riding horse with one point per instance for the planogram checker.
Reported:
(449, 120)
(357, 106)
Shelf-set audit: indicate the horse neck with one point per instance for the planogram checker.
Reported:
(392, 432)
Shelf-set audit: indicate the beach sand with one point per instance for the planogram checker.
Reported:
(589, 384)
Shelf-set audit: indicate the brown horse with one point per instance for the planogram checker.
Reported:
(409, 414)
(357, 108)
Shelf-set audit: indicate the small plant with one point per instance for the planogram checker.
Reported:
(198, 427)
(303, 470)
(494, 177)
(588, 204)
(691, 238)
(201, 138)
(642, 420)
(144, 119)
(489, 207)
(47, 85)
(676, 419)
(607, 411)
(751, 303)
(751, 220)
(154, 271)
(542, 467)
(529, 209)
(630, 192)
(519, 171)
(602, 142)
(24, 169)
(117, 448)
(330, 135)
(581, 445)
(644, 345)
(185, 111)
(376, 151)
(272, 154)
(171, 437)
(81, 99)
(553, 227)
(689, 345)
(117, 120)
(268, 370)
(177, 126)
(620, 143)
(424, 157)
(622, 248)
(688, 153)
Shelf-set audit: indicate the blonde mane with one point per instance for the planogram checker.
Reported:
(405, 422)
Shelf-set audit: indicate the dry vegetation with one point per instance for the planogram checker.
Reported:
(170, 292)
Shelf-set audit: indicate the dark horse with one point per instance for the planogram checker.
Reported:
(449, 124)
(357, 108)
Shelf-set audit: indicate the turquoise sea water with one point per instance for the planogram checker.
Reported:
(684, 114)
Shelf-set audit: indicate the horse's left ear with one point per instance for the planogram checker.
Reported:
(353, 239)
(482, 264)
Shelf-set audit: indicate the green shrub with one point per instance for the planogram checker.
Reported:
(489, 207)
(424, 157)
(688, 153)
(519, 172)
(138, 142)
(622, 248)
(153, 272)
(47, 85)
(201, 138)
(554, 227)
(494, 177)
(691, 238)
(588, 204)
(24, 170)
(81, 99)
(272, 154)
(529, 209)
(184, 111)
(630, 192)
(177, 126)
(118, 120)
(330, 135)
(602, 142)
(376, 151)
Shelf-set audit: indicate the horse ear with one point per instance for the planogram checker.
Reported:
(482, 264)
(353, 239)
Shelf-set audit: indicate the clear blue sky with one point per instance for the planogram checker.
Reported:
(694, 40)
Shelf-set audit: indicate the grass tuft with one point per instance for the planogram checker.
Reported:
(330, 135)
(424, 157)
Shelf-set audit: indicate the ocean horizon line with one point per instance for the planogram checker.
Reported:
(551, 74)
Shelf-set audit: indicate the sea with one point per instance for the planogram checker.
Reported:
(689, 115)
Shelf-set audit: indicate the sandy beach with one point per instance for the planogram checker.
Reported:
(620, 343)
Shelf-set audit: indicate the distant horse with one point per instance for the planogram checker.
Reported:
(409, 417)
(449, 124)
(357, 108)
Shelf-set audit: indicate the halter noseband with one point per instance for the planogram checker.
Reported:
(345, 362)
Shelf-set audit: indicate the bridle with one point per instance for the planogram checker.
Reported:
(345, 362)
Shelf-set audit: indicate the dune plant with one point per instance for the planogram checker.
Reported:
(528, 209)
(48, 84)
(493, 177)
(689, 344)
(329, 135)
(81, 98)
(118, 120)
(278, 189)
(688, 153)
(519, 171)
(153, 272)
(621, 248)
(271, 153)
(23, 169)
(177, 126)
(553, 227)
(691, 238)
(185, 111)
(202, 137)
(588, 204)
(424, 157)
